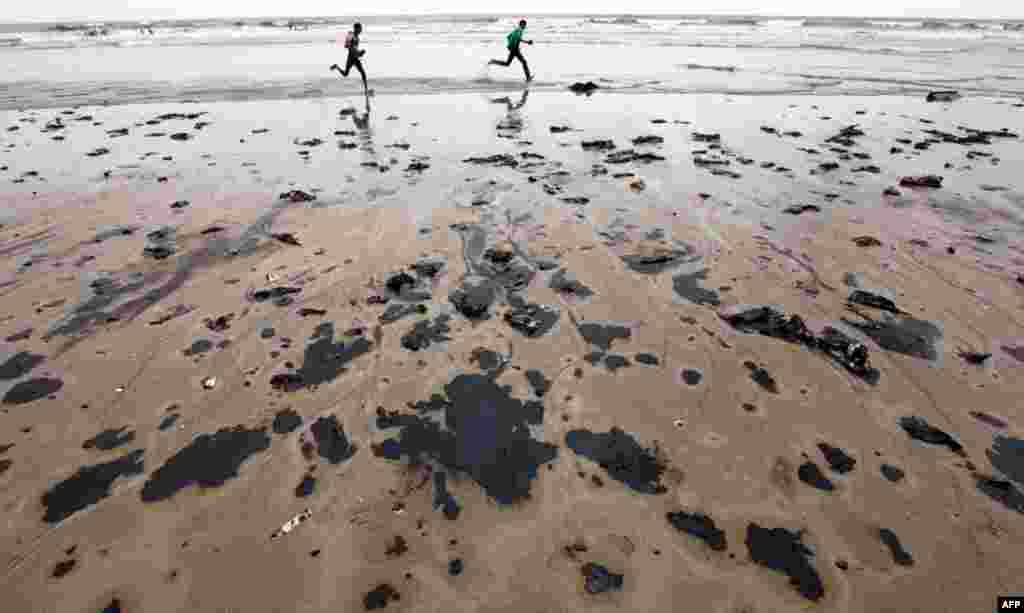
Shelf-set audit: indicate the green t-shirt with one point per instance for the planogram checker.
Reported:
(514, 37)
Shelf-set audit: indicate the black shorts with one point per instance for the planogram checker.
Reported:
(352, 59)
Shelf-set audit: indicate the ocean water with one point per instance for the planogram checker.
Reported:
(51, 65)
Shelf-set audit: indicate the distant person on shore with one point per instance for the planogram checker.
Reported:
(354, 55)
(515, 38)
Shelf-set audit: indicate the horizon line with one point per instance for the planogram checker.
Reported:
(86, 20)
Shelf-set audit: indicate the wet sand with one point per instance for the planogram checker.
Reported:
(539, 381)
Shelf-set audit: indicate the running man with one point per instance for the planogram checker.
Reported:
(354, 55)
(515, 37)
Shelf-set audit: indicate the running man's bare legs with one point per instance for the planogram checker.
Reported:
(513, 54)
(353, 61)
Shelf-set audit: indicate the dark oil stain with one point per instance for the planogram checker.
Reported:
(597, 579)
(905, 335)
(174, 313)
(114, 232)
(840, 348)
(19, 365)
(455, 567)
(1015, 352)
(989, 419)
(110, 439)
(782, 550)
(688, 287)
(53, 304)
(5, 465)
(324, 360)
(486, 359)
(428, 267)
(92, 312)
(395, 419)
(919, 429)
(619, 454)
(614, 361)
(89, 485)
(210, 460)
(533, 412)
(762, 377)
(331, 442)
(397, 548)
(221, 323)
(274, 293)
(168, 421)
(660, 261)
(538, 382)
(285, 382)
(531, 320)
(380, 596)
(199, 347)
(286, 421)
(1003, 492)
(974, 357)
(899, 555)
(594, 357)
(32, 390)
(1007, 456)
(426, 333)
(837, 459)
(892, 473)
(484, 433)
(306, 487)
(404, 286)
(873, 300)
(569, 287)
(810, 474)
(443, 499)
(474, 300)
(400, 283)
(511, 278)
(700, 526)
(394, 312)
(603, 334)
(113, 607)
(63, 568)
(20, 336)
(691, 376)
(161, 246)
(648, 359)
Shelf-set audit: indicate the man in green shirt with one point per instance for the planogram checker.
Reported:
(515, 37)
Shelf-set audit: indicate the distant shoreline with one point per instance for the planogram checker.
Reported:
(316, 19)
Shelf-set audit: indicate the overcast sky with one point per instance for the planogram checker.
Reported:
(55, 10)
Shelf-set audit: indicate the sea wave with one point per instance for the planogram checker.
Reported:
(715, 68)
(830, 22)
(734, 21)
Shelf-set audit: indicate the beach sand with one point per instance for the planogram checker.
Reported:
(166, 412)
